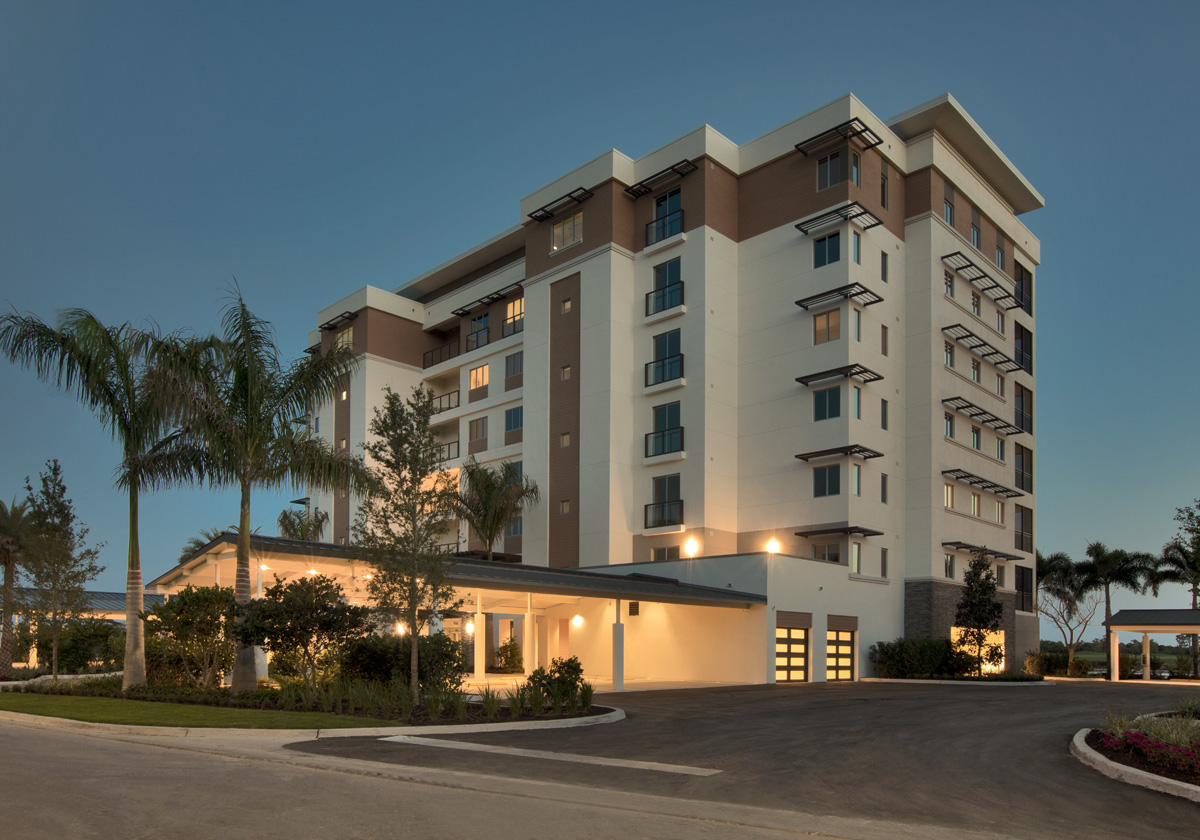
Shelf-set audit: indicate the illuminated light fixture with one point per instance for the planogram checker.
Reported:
(577, 621)
(312, 571)
(773, 546)
(367, 576)
(691, 547)
(470, 628)
(399, 629)
(264, 567)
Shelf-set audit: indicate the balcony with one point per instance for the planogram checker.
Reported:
(450, 451)
(513, 325)
(663, 228)
(445, 402)
(664, 370)
(668, 297)
(664, 442)
(663, 514)
(440, 354)
(477, 339)
(446, 548)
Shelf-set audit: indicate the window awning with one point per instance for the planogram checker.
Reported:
(848, 130)
(839, 528)
(854, 450)
(646, 185)
(981, 280)
(862, 374)
(337, 320)
(546, 212)
(852, 212)
(981, 348)
(971, 548)
(982, 483)
(979, 415)
(1156, 621)
(857, 292)
(487, 300)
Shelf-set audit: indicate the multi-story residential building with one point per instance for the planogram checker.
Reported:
(821, 338)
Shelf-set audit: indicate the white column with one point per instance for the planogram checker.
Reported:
(618, 651)
(1114, 654)
(33, 657)
(480, 639)
(435, 620)
(261, 667)
(260, 589)
(528, 653)
(1145, 656)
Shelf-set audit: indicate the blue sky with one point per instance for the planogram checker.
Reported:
(150, 152)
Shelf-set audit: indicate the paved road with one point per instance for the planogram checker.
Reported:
(966, 758)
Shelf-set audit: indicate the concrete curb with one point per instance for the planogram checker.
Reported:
(310, 734)
(1129, 775)
(8, 685)
(1006, 684)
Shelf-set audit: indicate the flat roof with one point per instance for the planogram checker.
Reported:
(1137, 619)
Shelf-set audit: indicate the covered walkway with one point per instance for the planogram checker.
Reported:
(1147, 622)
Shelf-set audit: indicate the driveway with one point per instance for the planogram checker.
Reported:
(958, 757)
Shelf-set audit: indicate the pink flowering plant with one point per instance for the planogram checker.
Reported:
(1171, 740)
(1183, 759)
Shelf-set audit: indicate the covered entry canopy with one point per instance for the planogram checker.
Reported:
(1147, 622)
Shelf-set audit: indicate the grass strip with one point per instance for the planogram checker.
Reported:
(143, 713)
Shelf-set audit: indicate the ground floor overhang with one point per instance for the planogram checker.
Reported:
(1147, 622)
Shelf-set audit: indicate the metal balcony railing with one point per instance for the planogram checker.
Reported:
(445, 402)
(664, 370)
(512, 326)
(667, 226)
(664, 298)
(665, 441)
(440, 354)
(450, 451)
(661, 514)
(477, 339)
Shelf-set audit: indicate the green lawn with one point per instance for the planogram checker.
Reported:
(144, 713)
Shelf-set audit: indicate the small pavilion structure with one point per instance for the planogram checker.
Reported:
(1147, 622)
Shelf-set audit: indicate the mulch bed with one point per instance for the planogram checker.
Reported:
(1135, 760)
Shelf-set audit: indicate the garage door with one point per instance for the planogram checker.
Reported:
(839, 655)
(791, 654)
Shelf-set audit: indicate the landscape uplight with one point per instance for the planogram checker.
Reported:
(773, 546)
(399, 629)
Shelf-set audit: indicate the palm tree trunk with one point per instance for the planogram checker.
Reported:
(414, 681)
(135, 642)
(244, 676)
(1108, 652)
(1195, 639)
(6, 629)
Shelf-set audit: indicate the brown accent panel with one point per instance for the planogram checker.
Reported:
(514, 436)
(341, 431)
(476, 394)
(392, 337)
(799, 620)
(513, 382)
(868, 195)
(920, 187)
(720, 198)
(512, 545)
(476, 446)
(842, 622)
(785, 190)
(606, 218)
(564, 417)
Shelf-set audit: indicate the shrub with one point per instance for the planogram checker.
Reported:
(565, 674)
(1035, 663)
(1189, 707)
(509, 659)
(537, 700)
(917, 658)
(586, 692)
(490, 701)
(441, 661)
(1079, 668)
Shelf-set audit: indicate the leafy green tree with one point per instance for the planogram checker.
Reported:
(304, 524)
(57, 560)
(1180, 563)
(194, 626)
(1061, 601)
(16, 531)
(240, 403)
(979, 613)
(307, 620)
(114, 371)
(1107, 568)
(406, 510)
(492, 497)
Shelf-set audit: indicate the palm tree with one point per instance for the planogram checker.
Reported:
(241, 405)
(490, 498)
(112, 371)
(306, 525)
(198, 541)
(1107, 568)
(1057, 577)
(16, 530)
(1180, 563)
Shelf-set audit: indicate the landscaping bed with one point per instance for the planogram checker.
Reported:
(1101, 742)
(1165, 744)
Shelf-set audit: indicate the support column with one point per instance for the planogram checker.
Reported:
(1114, 655)
(1145, 656)
(33, 657)
(261, 666)
(481, 637)
(528, 650)
(618, 651)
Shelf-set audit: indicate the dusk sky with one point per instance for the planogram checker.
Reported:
(150, 152)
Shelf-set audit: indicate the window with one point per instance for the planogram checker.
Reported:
(856, 558)
(856, 320)
(345, 394)
(514, 418)
(1023, 398)
(883, 558)
(514, 364)
(949, 569)
(948, 280)
(317, 425)
(1023, 462)
(829, 552)
(829, 171)
(345, 339)
(664, 553)
(976, 371)
(477, 429)
(854, 169)
(999, 250)
(999, 512)
(479, 377)
(827, 403)
(518, 470)
(948, 353)
(667, 508)
(883, 339)
(975, 304)
(668, 434)
(856, 479)
(827, 326)
(344, 444)
(827, 249)
(856, 403)
(999, 576)
(566, 306)
(975, 240)
(514, 317)
(1024, 528)
(565, 373)
(567, 232)
(883, 266)
(856, 247)
(668, 217)
(976, 438)
(564, 506)
(513, 528)
(1024, 588)
(948, 495)
(948, 420)
(827, 481)
(948, 213)
(883, 490)
(668, 287)
(999, 449)
(976, 504)
(1024, 292)
(883, 185)
(1000, 384)
(668, 361)
(1023, 344)
(564, 440)
(883, 414)
(478, 331)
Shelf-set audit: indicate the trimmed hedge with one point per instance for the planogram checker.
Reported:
(909, 659)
